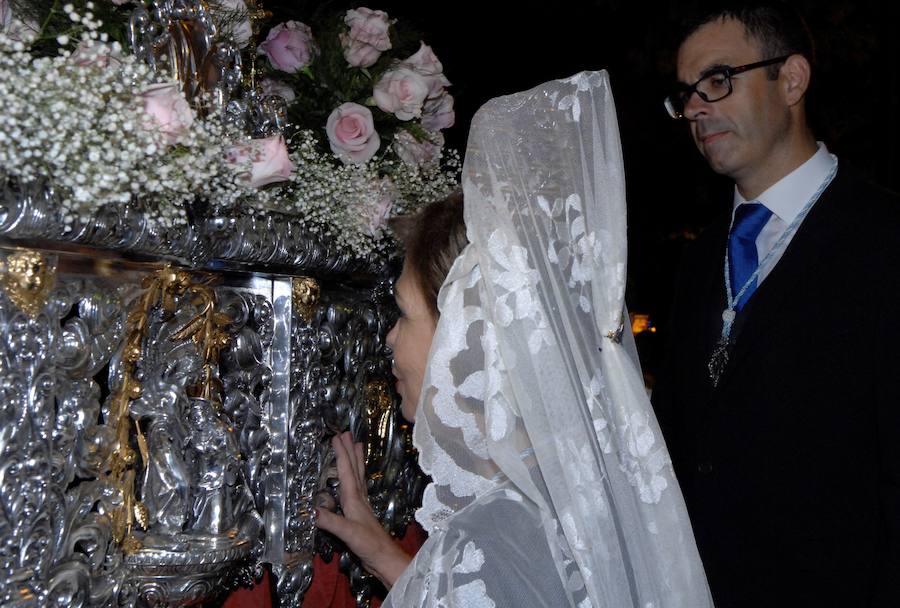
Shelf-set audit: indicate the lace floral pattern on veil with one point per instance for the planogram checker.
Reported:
(548, 467)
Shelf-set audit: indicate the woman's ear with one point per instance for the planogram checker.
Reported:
(795, 75)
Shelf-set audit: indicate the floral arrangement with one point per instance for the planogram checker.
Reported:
(361, 80)
(371, 102)
(364, 141)
(104, 129)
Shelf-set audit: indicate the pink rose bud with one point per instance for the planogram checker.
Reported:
(369, 27)
(239, 21)
(401, 91)
(378, 210)
(95, 54)
(167, 110)
(5, 14)
(20, 31)
(351, 133)
(271, 86)
(425, 153)
(261, 161)
(289, 46)
(437, 112)
(426, 63)
(359, 54)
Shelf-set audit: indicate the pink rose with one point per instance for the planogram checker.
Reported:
(369, 27)
(425, 153)
(5, 14)
(401, 91)
(238, 19)
(351, 133)
(271, 86)
(21, 31)
(377, 211)
(168, 110)
(96, 54)
(426, 63)
(289, 46)
(268, 160)
(437, 112)
(359, 54)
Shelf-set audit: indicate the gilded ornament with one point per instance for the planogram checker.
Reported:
(379, 413)
(28, 279)
(141, 515)
(131, 545)
(616, 334)
(305, 296)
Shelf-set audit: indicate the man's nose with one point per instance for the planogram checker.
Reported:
(695, 106)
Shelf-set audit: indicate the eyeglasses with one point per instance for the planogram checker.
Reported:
(714, 86)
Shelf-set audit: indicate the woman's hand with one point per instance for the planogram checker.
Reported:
(359, 529)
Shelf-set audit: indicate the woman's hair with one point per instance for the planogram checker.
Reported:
(433, 238)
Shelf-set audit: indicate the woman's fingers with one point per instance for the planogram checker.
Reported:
(360, 465)
(354, 450)
(358, 527)
(349, 487)
(328, 521)
(352, 474)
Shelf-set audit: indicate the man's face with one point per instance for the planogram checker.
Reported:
(739, 135)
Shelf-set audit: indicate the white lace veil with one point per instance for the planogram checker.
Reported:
(528, 383)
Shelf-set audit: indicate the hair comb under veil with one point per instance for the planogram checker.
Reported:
(551, 482)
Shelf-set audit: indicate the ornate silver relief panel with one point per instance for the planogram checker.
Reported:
(63, 360)
(55, 545)
(340, 380)
(231, 392)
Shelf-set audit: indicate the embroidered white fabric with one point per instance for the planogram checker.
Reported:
(551, 485)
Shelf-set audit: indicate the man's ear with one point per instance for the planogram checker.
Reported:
(794, 76)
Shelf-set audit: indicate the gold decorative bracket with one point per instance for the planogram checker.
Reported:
(305, 297)
(28, 278)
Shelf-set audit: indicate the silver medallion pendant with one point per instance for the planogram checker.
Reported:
(718, 361)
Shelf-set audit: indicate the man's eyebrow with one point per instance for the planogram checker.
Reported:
(713, 69)
(716, 67)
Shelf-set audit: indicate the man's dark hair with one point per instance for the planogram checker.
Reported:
(778, 27)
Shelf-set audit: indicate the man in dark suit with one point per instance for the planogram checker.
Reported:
(779, 404)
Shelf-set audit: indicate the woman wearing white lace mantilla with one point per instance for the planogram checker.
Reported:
(551, 482)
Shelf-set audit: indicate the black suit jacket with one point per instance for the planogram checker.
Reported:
(791, 467)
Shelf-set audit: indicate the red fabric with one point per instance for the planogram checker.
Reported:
(258, 596)
(329, 588)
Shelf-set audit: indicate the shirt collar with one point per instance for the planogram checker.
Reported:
(790, 194)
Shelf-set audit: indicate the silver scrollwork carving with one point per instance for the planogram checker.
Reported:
(221, 487)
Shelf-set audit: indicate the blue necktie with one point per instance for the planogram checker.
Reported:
(749, 219)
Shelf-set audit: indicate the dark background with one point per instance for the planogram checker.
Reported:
(495, 48)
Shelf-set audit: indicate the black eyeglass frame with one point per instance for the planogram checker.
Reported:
(726, 71)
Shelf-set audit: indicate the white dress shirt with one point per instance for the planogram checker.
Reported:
(785, 199)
